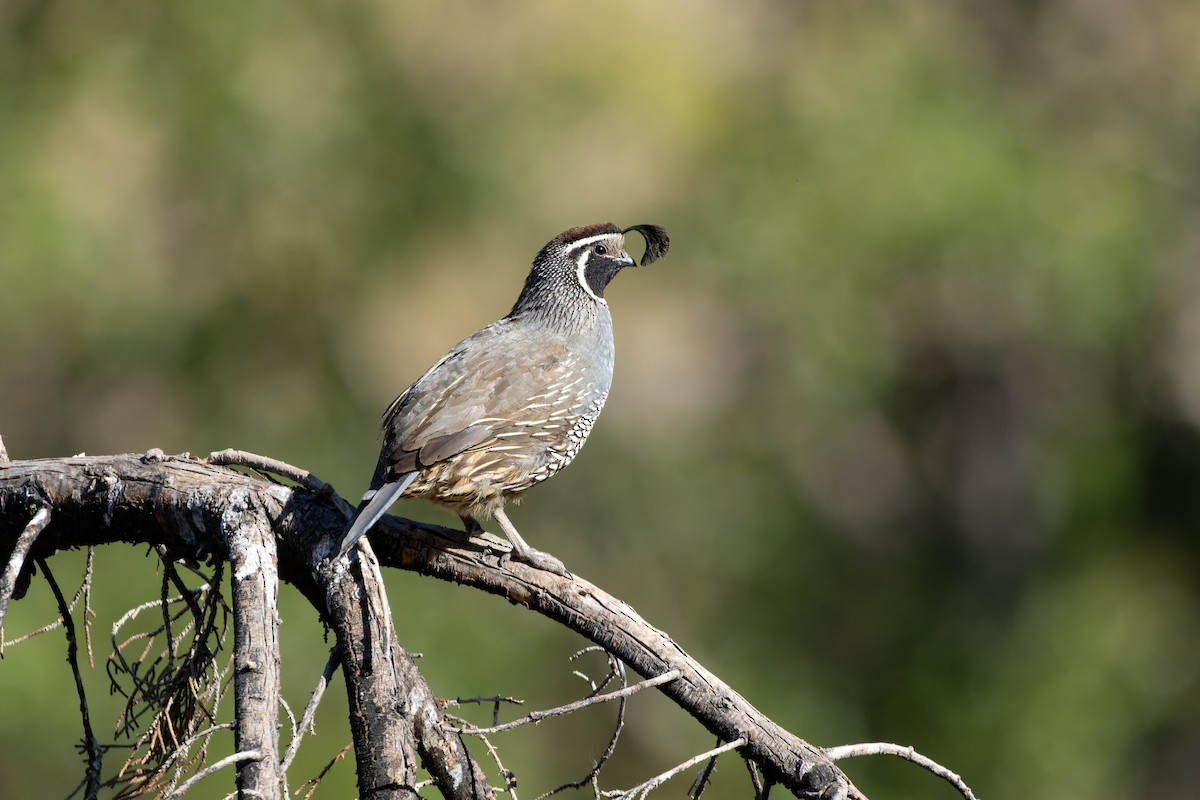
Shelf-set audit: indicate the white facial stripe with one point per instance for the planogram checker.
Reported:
(589, 240)
(580, 263)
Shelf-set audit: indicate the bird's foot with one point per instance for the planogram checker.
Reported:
(523, 552)
(539, 560)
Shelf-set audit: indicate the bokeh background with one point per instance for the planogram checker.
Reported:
(903, 441)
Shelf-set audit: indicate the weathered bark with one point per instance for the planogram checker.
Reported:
(11, 576)
(255, 582)
(97, 500)
(391, 704)
(384, 739)
(178, 504)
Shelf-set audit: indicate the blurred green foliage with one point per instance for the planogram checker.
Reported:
(903, 438)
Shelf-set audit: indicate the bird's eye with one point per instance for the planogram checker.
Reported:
(600, 250)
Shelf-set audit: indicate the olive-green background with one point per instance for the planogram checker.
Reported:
(903, 436)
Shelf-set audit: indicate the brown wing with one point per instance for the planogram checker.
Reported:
(490, 390)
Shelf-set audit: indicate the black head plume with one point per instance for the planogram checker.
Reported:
(657, 241)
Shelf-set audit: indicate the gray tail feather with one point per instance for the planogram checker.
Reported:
(376, 506)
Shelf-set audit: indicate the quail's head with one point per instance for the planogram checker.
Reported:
(576, 266)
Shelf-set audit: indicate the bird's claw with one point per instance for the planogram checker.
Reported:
(545, 561)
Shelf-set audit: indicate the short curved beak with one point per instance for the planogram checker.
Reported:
(626, 260)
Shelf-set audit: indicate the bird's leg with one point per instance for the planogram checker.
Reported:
(523, 552)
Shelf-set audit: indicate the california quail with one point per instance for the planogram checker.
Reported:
(511, 404)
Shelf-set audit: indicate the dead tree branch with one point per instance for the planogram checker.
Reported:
(236, 758)
(615, 626)
(570, 708)
(91, 745)
(310, 711)
(251, 547)
(640, 791)
(16, 561)
(384, 741)
(180, 505)
(178, 502)
(240, 458)
(381, 680)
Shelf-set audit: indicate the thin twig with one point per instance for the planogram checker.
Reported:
(616, 667)
(182, 757)
(173, 691)
(170, 573)
(205, 734)
(759, 792)
(88, 614)
(615, 670)
(701, 782)
(643, 789)
(165, 607)
(12, 571)
(313, 783)
(907, 753)
(287, 709)
(178, 686)
(538, 716)
(181, 754)
(510, 777)
(133, 612)
(236, 758)
(495, 700)
(78, 786)
(95, 752)
(53, 626)
(310, 710)
(240, 458)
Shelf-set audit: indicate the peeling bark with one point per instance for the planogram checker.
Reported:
(255, 582)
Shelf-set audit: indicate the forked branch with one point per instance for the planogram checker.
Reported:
(176, 503)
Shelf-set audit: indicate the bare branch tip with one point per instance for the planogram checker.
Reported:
(229, 457)
(900, 751)
(236, 758)
(640, 791)
(16, 561)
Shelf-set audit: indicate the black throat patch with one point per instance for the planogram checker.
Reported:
(598, 272)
